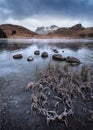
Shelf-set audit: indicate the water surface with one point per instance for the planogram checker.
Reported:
(15, 74)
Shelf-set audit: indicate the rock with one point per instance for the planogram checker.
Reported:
(84, 73)
(77, 27)
(86, 44)
(73, 60)
(44, 54)
(30, 58)
(55, 50)
(57, 57)
(18, 56)
(37, 52)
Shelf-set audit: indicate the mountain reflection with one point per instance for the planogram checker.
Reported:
(13, 46)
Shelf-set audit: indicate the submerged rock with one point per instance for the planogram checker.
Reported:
(18, 56)
(44, 54)
(63, 51)
(57, 57)
(30, 58)
(73, 60)
(55, 50)
(37, 52)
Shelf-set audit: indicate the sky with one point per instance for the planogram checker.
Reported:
(36, 13)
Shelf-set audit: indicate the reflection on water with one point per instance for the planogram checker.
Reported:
(13, 46)
(22, 67)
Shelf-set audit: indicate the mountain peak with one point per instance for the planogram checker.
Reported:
(77, 27)
(53, 26)
(46, 30)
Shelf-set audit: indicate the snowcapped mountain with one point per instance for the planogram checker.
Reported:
(46, 30)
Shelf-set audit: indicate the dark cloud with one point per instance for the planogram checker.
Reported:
(69, 8)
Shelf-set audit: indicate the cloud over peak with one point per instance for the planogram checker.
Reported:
(71, 9)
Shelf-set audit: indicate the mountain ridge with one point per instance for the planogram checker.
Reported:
(46, 30)
(16, 31)
(75, 31)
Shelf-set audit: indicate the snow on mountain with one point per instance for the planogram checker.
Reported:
(46, 30)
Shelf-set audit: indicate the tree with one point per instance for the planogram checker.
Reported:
(13, 32)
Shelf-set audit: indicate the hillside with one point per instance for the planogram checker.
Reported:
(15, 31)
(75, 31)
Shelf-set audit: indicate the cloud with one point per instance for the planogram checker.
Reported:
(33, 13)
(34, 22)
(68, 8)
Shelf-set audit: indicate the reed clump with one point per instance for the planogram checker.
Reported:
(57, 91)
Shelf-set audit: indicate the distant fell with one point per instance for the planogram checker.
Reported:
(46, 30)
(76, 31)
(16, 31)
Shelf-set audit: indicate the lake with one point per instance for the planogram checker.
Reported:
(16, 74)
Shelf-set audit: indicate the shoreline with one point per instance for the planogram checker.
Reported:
(48, 39)
(45, 37)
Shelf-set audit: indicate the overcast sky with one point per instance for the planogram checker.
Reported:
(34, 13)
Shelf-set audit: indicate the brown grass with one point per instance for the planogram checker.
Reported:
(57, 93)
